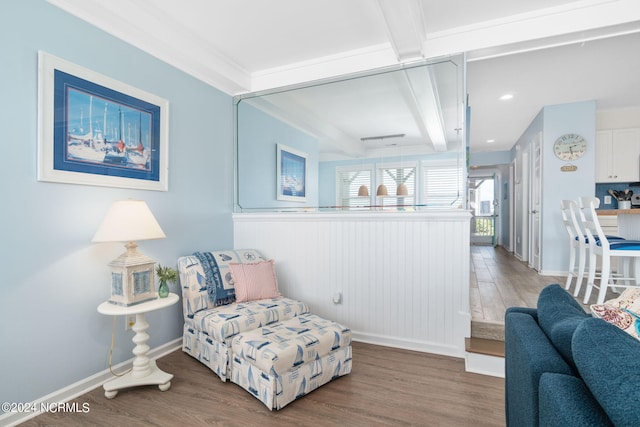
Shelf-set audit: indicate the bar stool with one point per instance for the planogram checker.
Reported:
(600, 246)
(577, 244)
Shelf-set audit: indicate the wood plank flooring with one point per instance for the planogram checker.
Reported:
(498, 280)
(388, 387)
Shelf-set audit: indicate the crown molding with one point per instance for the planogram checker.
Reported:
(176, 45)
(532, 27)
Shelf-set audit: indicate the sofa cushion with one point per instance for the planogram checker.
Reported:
(623, 312)
(565, 401)
(559, 314)
(608, 360)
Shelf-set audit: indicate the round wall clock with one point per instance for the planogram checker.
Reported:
(570, 146)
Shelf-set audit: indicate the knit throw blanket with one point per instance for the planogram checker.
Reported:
(218, 295)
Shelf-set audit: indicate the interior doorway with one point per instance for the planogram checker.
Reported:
(482, 201)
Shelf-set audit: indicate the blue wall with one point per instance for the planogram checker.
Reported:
(554, 121)
(490, 158)
(53, 277)
(258, 136)
(580, 118)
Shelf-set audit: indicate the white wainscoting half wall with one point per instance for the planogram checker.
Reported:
(402, 278)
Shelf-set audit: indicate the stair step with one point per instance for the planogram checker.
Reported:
(487, 330)
(485, 346)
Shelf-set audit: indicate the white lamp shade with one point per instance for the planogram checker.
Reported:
(128, 220)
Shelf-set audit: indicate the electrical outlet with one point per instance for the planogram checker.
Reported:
(129, 321)
(607, 200)
(337, 297)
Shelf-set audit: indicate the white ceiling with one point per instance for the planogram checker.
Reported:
(251, 45)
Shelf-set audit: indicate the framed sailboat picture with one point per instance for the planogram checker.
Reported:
(94, 130)
(291, 171)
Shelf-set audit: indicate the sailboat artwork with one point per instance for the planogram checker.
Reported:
(104, 132)
(336, 341)
(278, 378)
(316, 369)
(252, 383)
(336, 372)
(299, 357)
(303, 389)
(309, 340)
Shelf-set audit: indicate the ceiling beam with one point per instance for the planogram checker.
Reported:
(424, 103)
(405, 26)
(288, 111)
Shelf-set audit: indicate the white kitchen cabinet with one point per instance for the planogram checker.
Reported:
(618, 155)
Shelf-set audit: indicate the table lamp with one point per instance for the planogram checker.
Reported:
(132, 273)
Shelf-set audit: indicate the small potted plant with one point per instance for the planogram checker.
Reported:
(165, 275)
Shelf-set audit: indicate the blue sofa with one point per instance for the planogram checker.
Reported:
(564, 367)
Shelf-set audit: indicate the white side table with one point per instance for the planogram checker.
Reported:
(145, 371)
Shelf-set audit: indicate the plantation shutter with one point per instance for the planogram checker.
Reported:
(349, 184)
(394, 176)
(443, 186)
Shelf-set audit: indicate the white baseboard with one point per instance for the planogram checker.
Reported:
(554, 273)
(83, 386)
(408, 344)
(484, 364)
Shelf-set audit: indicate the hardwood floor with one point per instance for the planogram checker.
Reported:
(388, 387)
(498, 281)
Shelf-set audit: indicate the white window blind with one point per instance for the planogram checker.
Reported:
(394, 176)
(349, 182)
(442, 183)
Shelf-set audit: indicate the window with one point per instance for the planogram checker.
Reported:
(349, 181)
(394, 175)
(442, 183)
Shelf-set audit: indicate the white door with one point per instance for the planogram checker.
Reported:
(512, 206)
(536, 186)
(523, 203)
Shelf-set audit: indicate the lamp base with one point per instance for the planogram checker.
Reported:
(132, 278)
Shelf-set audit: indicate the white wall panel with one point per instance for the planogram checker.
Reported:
(404, 277)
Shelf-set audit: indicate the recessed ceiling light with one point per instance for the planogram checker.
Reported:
(506, 96)
(489, 141)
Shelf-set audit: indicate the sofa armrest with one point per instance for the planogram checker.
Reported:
(528, 354)
(608, 360)
(565, 401)
(533, 312)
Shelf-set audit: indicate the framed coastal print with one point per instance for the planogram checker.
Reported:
(95, 130)
(291, 172)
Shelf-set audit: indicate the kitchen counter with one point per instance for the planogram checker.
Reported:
(618, 211)
(628, 221)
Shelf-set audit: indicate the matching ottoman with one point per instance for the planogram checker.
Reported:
(284, 361)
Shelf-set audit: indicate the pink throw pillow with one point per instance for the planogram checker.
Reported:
(254, 281)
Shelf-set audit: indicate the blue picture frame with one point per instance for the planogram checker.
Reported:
(97, 131)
